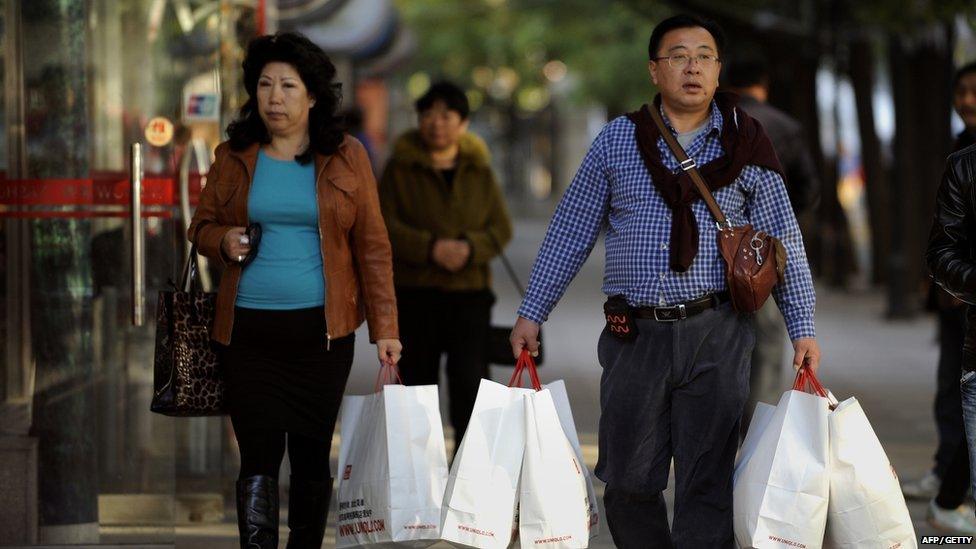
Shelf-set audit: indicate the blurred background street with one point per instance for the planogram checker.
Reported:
(869, 85)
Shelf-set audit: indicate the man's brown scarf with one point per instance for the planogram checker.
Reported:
(744, 142)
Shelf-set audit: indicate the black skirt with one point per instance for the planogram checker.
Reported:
(279, 375)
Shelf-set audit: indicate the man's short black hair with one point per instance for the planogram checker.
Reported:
(684, 21)
(964, 70)
(452, 96)
(746, 71)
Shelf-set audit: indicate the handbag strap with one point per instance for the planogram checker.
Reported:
(508, 266)
(189, 270)
(689, 166)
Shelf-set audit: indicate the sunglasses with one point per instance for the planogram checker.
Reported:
(253, 232)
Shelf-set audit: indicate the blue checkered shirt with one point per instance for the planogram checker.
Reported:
(613, 192)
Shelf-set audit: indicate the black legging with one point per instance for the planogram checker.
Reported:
(263, 449)
(284, 383)
(435, 322)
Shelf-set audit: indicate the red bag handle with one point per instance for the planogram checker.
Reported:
(525, 363)
(807, 382)
(389, 374)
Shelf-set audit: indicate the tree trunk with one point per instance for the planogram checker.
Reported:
(799, 97)
(861, 72)
(921, 72)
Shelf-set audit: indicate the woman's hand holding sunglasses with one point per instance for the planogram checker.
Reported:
(236, 244)
(241, 244)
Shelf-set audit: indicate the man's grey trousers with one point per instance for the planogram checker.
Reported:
(677, 391)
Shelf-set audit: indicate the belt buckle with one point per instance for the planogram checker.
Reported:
(682, 313)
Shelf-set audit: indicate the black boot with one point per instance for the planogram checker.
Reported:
(308, 507)
(257, 512)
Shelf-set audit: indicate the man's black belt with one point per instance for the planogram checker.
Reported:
(681, 311)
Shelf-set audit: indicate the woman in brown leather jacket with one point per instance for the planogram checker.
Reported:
(288, 305)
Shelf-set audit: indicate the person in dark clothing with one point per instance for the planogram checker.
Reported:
(750, 79)
(946, 484)
(951, 257)
(447, 220)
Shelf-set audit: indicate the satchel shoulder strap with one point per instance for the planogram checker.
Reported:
(689, 165)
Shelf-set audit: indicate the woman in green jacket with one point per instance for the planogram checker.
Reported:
(447, 219)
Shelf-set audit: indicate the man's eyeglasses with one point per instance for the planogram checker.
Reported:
(681, 60)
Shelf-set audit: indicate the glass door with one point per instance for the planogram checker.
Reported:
(83, 82)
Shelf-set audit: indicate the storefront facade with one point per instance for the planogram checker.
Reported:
(83, 460)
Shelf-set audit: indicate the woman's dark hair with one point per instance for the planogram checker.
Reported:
(325, 129)
(452, 96)
(684, 22)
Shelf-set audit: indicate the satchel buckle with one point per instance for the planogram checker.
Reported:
(688, 164)
(680, 313)
(756, 244)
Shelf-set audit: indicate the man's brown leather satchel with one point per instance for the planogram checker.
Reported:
(754, 261)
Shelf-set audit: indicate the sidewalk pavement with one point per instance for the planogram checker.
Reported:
(888, 365)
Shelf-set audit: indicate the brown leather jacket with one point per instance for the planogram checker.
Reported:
(356, 254)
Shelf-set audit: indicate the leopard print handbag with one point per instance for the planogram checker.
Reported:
(186, 374)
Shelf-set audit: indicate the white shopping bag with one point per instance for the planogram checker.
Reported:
(780, 493)
(480, 503)
(392, 468)
(757, 425)
(561, 400)
(554, 510)
(867, 509)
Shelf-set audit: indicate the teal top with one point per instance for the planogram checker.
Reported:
(287, 272)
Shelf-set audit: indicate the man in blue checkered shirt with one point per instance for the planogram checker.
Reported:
(677, 390)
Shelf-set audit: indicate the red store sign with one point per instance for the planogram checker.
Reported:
(27, 197)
